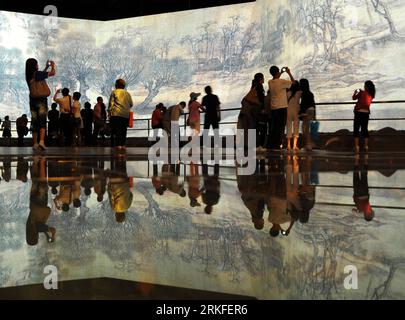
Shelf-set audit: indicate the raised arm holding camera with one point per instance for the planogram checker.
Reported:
(279, 104)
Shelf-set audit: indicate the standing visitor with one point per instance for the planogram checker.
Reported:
(252, 106)
(77, 118)
(22, 129)
(194, 108)
(98, 119)
(362, 113)
(87, 117)
(173, 115)
(118, 110)
(157, 118)
(279, 104)
(211, 105)
(39, 93)
(307, 113)
(53, 125)
(6, 128)
(66, 116)
(293, 122)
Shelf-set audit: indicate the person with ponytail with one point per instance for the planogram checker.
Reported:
(362, 114)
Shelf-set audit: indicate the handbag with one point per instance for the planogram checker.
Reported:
(131, 120)
(39, 89)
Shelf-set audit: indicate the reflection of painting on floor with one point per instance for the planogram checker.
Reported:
(167, 241)
(336, 44)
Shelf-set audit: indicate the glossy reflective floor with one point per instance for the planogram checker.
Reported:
(287, 232)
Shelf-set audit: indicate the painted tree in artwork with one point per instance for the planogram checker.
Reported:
(78, 63)
(118, 58)
(318, 19)
(382, 9)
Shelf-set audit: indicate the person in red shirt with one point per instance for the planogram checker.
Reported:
(157, 117)
(362, 113)
(361, 194)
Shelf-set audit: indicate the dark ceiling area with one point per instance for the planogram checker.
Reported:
(111, 9)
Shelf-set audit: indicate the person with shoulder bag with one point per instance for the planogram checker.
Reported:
(39, 93)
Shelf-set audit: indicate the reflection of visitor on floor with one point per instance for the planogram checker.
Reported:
(307, 188)
(6, 169)
(170, 180)
(292, 186)
(22, 169)
(361, 192)
(39, 209)
(254, 193)
(76, 191)
(277, 202)
(53, 176)
(193, 181)
(156, 181)
(210, 192)
(86, 170)
(100, 182)
(64, 198)
(119, 189)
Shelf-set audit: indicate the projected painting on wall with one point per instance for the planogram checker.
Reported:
(336, 44)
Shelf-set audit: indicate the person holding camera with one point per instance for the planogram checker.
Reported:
(362, 113)
(39, 93)
(279, 104)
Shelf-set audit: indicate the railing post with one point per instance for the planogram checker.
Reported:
(148, 128)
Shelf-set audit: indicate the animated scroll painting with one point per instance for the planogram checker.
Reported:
(336, 44)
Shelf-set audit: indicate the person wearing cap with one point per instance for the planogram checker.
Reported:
(194, 108)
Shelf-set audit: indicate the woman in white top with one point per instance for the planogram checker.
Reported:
(293, 122)
(77, 118)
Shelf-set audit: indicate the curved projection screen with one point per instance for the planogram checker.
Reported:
(336, 44)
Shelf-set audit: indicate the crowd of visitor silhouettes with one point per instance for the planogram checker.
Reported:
(272, 113)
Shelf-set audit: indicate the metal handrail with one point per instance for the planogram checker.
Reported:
(351, 103)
